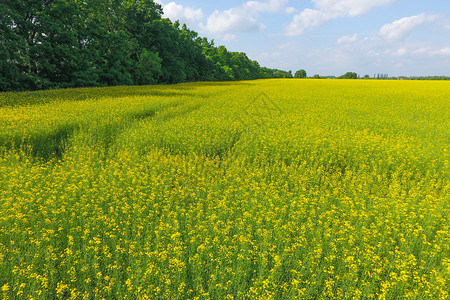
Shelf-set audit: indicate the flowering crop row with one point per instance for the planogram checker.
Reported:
(271, 189)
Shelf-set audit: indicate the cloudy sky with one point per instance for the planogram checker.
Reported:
(327, 37)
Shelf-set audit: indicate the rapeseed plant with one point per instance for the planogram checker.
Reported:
(170, 192)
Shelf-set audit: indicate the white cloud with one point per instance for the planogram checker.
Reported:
(244, 18)
(347, 39)
(352, 8)
(417, 50)
(400, 52)
(181, 13)
(426, 51)
(399, 29)
(305, 20)
(290, 10)
(444, 22)
(232, 20)
(421, 51)
(268, 6)
(443, 51)
(328, 10)
(229, 37)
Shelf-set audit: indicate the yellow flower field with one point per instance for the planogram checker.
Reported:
(268, 189)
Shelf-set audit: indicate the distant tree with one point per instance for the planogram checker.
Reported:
(300, 74)
(382, 76)
(424, 78)
(281, 74)
(366, 77)
(349, 75)
(316, 76)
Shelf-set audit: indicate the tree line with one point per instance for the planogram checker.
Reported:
(353, 75)
(73, 43)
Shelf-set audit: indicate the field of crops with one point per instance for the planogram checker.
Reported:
(270, 189)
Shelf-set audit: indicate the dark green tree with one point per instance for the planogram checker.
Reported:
(300, 74)
(349, 75)
(71, 43)
(12, 46)
(164, 39)
(148, 68)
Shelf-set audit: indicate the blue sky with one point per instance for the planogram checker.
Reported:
(327, 37)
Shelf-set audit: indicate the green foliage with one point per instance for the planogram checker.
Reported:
(148, 68)
(349, 75)
(425, 78)
(72, 43)
(275, 73)
(300, 74)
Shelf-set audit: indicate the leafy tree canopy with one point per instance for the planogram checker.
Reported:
(300, 74)
(72, 43)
